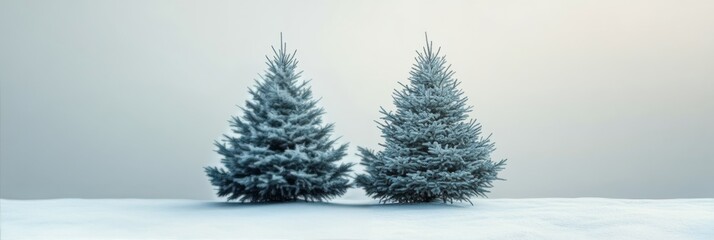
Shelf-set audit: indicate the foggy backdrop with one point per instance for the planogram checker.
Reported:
(123, 99)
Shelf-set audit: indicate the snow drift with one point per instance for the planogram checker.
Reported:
(547, 218)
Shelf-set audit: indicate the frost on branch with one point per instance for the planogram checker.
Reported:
(280, 149)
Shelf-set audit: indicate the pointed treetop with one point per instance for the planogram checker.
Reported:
(283, 47)
(429, 54)
(282, 57)
(428, 43)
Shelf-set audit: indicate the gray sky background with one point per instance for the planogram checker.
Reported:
(110, 99)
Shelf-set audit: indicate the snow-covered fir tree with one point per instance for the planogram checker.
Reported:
(282, 151)
(432, 151)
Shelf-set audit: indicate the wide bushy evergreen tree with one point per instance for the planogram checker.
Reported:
(431, 150)
(282, 151)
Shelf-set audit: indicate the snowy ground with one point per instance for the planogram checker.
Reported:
(574, 218)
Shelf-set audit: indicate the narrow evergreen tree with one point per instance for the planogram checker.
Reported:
(431, 151)
(282, 152)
